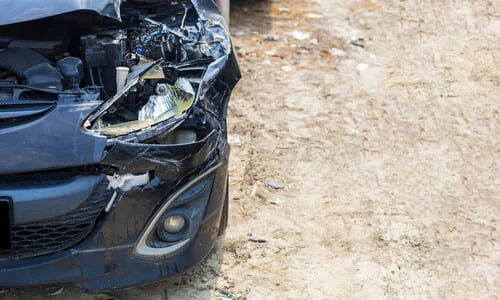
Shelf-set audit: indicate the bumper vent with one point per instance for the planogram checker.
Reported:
(13, 114)
(57, 234)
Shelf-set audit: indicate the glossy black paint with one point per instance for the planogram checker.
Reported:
(50, 140)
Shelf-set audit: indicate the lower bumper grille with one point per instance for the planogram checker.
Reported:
(56, 234)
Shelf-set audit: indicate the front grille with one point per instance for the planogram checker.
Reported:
(57, 234)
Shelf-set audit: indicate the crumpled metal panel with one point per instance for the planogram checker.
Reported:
(29, 10)
(172, 162)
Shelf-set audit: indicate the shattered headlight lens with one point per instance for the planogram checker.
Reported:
(145, 100)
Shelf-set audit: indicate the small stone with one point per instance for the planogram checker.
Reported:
(287, 68)
(276, 201)
(234, 140)
(275, 185)
(314, 16)
(240, 33)
(300, 36)
(271, 52)
(362, 67)
(257, 240)
(242, 52)
(283, 10)
(337, 52)
(271, 37)
(358, 42)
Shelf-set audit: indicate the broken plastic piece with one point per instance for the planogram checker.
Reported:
(128, 181)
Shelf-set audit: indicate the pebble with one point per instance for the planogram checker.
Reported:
(257, 240)
(337, 52)
(234, 140)
(240, 33)
(271, 37)
(276, 201)
(275, 185)
(300, 36)
(314, 16)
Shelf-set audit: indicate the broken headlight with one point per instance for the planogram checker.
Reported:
(146, 99)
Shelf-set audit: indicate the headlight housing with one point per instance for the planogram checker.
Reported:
(146, 99)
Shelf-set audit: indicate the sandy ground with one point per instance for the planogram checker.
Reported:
(383, 125)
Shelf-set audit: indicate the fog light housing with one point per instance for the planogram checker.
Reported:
(174, 224)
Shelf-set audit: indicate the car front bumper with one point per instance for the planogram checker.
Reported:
(106, 258)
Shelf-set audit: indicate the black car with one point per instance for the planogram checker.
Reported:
(113, 139)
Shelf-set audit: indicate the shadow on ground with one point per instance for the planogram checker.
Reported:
(251, 16)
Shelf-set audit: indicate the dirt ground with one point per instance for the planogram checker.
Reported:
(381, 120)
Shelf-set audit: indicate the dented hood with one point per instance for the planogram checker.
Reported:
(27, 10)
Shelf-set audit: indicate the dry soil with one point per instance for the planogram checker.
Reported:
(381, 119)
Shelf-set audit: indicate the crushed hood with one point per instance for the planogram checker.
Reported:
(28, 10)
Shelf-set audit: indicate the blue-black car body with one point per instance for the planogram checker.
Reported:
(80, 205)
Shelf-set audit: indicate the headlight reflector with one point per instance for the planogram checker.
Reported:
(142, 103)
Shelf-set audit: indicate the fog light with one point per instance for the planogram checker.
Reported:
(174, 224)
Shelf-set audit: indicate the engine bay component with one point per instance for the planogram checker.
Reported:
(70, 57)
(71, 69)
(121, 77)
(32, 67)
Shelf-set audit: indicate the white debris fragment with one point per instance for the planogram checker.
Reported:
(287, 68)
(300, 36)
(314, 16)
(240, 33)
(254, 191)
(234, 140)
(276, 201)
(362, 67)
(337, 52)
(271, 52)
(128, 181)
(314, 41)
(58, 292)
(283, 10)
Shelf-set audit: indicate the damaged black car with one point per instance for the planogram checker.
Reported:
(113, 139)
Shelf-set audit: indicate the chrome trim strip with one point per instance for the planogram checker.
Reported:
(141, 248)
